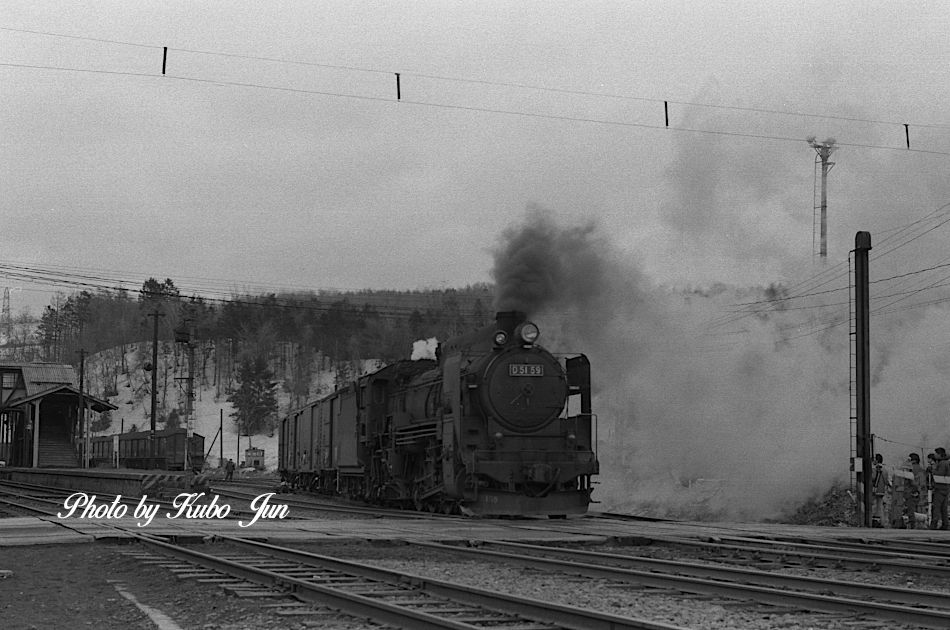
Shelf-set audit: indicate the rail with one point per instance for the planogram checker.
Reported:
(727, 582)
(393, 597)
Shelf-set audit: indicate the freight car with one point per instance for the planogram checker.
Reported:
(131, 450)
(497, 425)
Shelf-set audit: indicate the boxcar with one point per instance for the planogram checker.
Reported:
(131, 450)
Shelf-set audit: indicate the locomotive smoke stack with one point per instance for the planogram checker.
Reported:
(507, 320)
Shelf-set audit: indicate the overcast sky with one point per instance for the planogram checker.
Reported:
(325, 180)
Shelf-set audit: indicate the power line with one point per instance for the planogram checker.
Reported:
(912, 273)
(804, 295)
(876, 297)
(510, 84)
(902, 236)
(198, 283)
(469, 108)
(271, 300)
(807, 287)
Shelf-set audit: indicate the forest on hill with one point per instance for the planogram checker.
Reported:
(250, 349)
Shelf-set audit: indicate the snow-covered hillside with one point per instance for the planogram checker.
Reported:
(119, 376)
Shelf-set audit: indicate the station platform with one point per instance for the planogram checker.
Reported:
(127, 482)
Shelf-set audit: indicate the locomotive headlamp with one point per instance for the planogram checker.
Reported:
(501, 338)
(529, 332)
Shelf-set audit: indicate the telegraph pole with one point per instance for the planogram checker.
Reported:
(185, 335)
(151, 432)
(189, 431)
(82, 409)
(823, 151)
(862, 245)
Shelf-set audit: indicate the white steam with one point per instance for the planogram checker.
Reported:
(743, 421)
(424, 349)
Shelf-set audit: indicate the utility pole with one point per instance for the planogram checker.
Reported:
(83, 427)
(863, 445)
(6, 320)
(823, 152)
(189, 431)
(151, 433)
(185, 335)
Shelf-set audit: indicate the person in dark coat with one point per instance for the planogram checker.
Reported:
(880, 484)
(913, 487)
(229, 470)
(941, 482)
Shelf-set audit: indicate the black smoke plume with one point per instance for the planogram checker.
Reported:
(539, 264)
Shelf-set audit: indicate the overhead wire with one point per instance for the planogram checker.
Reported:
(269, 300)
(456, 107)
(509, 84)
(822, 323)
(197, 283)
(806, 288)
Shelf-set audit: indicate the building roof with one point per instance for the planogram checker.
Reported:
(40, 376)
(45, 379)
(92, 402)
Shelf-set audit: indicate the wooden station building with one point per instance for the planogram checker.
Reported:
(40, 423)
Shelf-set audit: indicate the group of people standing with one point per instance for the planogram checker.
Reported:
(902, 494)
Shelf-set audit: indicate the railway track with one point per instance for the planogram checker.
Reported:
(724, 570)
(926, 550)
(921, 557)
(33, 499)
(347, 585)
(10, 508)
(18, 499)
(902, 605)
(815, 554)
(383, 595)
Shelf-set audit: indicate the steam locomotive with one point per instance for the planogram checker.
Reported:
(496, 425)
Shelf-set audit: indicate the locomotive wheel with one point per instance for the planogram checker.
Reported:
(388, 495)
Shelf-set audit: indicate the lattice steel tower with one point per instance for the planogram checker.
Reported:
(823, 151)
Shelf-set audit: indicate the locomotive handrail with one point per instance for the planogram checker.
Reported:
(596, 444)
(595, 424)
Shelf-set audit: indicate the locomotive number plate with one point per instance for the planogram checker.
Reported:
(525, 369)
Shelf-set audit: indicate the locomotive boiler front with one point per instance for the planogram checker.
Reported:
(524, 388)
(523, 430)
